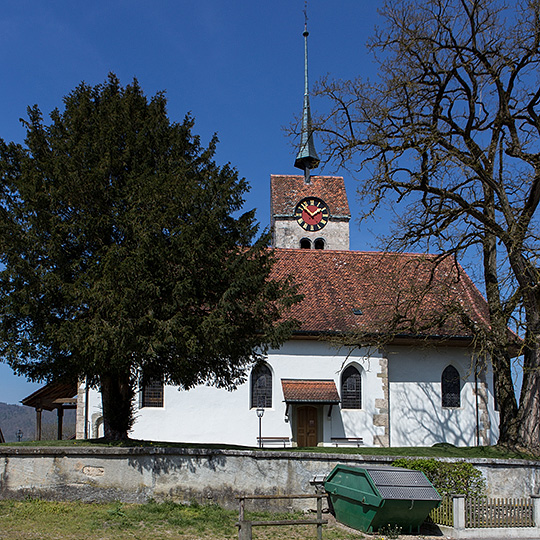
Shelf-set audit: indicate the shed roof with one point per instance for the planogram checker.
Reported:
(309, 391)
(52, 396)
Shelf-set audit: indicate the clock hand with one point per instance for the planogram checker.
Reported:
(313, 214)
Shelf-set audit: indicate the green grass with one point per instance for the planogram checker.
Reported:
(34, 518)
(439, 450)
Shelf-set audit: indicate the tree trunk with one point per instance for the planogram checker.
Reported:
(117, 395)
(529, 402)
(499, 338)
(529, 406)
(506, 399)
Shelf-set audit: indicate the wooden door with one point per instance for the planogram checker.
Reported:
(306, 430)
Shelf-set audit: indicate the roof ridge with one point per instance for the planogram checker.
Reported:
(301, 177)
(361, 252)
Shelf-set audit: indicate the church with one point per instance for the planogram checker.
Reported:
(383, 355)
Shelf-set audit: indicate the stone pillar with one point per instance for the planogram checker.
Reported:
(81, 427)
(382, 417)
(458, 508)
(536, 510)
(485, 424)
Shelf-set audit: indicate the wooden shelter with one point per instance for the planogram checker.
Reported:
(55, 395)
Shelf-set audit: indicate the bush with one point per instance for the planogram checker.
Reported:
(448, 478)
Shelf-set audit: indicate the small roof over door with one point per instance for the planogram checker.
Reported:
(321, 391)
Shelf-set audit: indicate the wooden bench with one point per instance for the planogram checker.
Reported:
(273, 440)
(347, 440)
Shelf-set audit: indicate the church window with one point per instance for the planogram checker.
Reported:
(261, 386)
(305, 243)
(319, 243)
(351, 389)
(450, 387)
(152, 392)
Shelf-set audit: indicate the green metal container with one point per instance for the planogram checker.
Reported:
(372, 498)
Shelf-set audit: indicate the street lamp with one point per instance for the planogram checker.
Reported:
(19, 435)
(260, 414)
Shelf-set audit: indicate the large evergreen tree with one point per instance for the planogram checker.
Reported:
(125, 253)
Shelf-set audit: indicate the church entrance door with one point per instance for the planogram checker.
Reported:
(306, 426)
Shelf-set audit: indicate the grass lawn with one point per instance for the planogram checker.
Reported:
(37, 519)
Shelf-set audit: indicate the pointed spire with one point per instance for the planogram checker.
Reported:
(307, 158)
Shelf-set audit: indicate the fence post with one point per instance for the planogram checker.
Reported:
(244, 530)
(536, 510)
(458, 508)
(319, 514)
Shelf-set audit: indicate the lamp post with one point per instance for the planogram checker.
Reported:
(260, 414)
(19, 435)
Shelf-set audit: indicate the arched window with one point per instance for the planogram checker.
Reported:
(152, 392)
(351, 389)
(450, 387)
(261, 386)
(305, 243)
(319, 243)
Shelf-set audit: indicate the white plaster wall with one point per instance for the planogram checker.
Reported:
(210, 415)
(207, 414)
(417, 417)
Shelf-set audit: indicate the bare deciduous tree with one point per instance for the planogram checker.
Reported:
(451, 128)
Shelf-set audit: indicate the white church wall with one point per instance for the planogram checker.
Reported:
(417, 417)
(211, 415)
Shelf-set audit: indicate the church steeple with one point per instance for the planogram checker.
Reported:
(308, 212)
(307, 158)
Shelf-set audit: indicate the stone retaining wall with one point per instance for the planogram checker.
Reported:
(205, 475)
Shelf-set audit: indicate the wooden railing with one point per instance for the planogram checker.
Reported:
(245, 526)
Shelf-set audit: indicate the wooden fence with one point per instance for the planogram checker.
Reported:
(499, 513)
(245, 526)
(484, 513)
(444, 515)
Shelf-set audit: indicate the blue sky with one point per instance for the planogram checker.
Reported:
(237, 66)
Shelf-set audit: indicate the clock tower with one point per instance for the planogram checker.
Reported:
(309, 216)
(309, 212)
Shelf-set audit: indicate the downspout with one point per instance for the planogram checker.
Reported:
(86, 409)
(476, 406)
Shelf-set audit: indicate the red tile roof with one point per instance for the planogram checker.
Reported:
(287, 191)
(381, 293)
(309, 391)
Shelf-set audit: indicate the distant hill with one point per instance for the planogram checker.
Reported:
(20, 417)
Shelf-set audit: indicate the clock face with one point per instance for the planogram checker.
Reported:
(312, 214)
